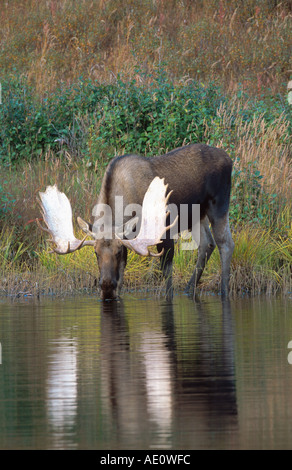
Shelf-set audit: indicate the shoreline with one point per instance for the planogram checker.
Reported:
(24, 286)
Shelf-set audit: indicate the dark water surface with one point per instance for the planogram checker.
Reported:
(146, 374)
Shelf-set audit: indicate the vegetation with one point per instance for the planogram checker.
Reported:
(84, 81)
(229, 41)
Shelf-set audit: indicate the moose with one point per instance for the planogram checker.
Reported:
(193, 174)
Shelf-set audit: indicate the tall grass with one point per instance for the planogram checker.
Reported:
(261, 151)
(227, 41)
(258, 142)
(261, 264)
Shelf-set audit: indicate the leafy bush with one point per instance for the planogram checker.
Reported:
(121, 116)
(26, 130)
(89, 117)
(152, 120)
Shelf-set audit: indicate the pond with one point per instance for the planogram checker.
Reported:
(146, 374)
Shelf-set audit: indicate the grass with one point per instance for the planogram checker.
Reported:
(85, 81)
(227, 41)
(267, 145)
(261, 264)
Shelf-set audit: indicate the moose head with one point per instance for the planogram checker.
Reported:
(109, 242)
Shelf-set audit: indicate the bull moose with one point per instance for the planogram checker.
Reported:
(194, 174)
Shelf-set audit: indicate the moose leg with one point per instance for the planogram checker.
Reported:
(122, 266)
(222, 235)
(166, 264)
(206, 248)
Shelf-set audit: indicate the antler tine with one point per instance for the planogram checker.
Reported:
(168, 195)
(157, 255)
(43, 228)
(81, 244)
(171, 225)
(69, 249)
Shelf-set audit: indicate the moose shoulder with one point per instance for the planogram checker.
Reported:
(195, 174)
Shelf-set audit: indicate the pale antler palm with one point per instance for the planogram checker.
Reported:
(153, 219)
(57, 214)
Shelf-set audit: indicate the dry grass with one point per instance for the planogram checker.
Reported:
(268, 146)
(256, 265)
(79, 182)
(229, 41)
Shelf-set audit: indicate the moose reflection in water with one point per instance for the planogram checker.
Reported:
(148, 388)
(143, 374)
(153, 386)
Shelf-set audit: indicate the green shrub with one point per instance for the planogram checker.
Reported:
(124, 116)
(121, 117)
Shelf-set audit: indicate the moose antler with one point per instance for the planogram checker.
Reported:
(152, 220)
(57, 214)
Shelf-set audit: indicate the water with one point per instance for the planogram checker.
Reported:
(145, 374)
